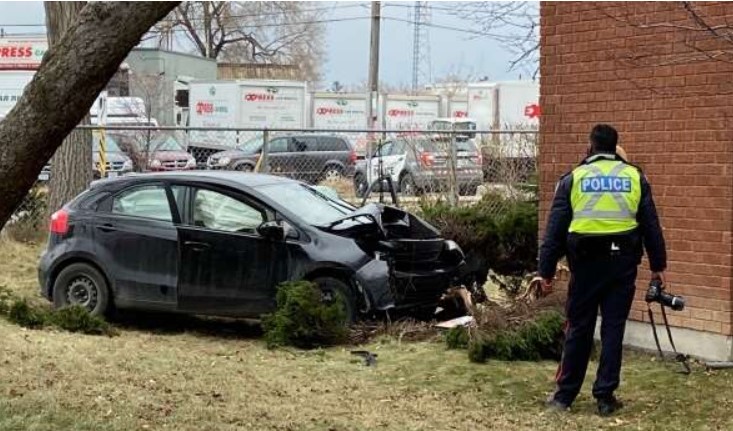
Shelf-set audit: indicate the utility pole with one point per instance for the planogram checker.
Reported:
(373, 65)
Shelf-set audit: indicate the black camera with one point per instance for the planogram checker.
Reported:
(656, 293)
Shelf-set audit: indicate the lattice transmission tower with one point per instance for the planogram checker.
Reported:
(421, 65)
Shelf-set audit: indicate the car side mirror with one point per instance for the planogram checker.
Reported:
(273, 230)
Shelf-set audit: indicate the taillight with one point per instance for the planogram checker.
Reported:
(352, 157)
(427, 159)
(60, 222)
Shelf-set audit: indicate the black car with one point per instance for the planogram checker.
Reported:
(218, 243)
(310, 158)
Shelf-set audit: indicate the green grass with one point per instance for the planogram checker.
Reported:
(170, 372)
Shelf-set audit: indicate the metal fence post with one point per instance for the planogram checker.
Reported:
(265, 167)
(453, 180)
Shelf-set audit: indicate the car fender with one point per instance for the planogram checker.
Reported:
(68, 257)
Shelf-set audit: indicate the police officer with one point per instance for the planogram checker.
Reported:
(601, 215)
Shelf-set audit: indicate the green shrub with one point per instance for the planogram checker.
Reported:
(23, 314)
(533, 340)
(496, 233)
(77, 319)
(303, 320)
(457, 338)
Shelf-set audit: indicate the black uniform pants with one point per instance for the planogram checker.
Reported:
(606, 283)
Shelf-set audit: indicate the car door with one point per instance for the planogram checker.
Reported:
(305, 161)
(377, 163)
(396, 160)
(278, 156)
(226, 267)
(135, 236)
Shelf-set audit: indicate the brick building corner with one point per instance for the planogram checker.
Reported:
(665, 81)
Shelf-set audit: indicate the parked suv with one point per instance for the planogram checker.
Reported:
(419, 164)
(118, 163)
(310, 158)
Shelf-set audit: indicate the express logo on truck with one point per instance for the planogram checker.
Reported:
(329, 111)
(259, 97)
(532, 110)
(16, 51)
(400, 113)
(209, 108)
(460, 114)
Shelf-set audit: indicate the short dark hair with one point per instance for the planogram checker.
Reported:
(603, 138)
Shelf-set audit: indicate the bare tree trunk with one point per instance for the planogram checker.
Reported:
(71, 166)
(73, 72)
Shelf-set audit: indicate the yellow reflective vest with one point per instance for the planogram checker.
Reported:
(605, 197)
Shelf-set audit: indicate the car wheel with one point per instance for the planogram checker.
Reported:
(332, 174)
(333, 289)
(407, 185)
(81, 284)
(246, 167)
(360, 186)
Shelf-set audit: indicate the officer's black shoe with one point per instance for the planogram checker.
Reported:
(608, 405)
(554, 405)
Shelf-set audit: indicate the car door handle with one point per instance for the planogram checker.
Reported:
(197, 246)
(107, 227)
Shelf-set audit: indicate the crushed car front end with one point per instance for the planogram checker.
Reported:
(408, 264)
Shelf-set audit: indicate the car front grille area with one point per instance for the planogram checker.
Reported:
(114, 166)
(175, 164)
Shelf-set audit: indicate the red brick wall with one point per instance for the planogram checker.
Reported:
(638, 66)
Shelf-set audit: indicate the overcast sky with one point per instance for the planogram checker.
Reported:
(451, 52)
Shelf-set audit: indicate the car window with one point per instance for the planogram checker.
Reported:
(301, 143)
(279, 145)
(214, 210)
(331, 144)
(399, 148)
(385, 149)
(146, 201)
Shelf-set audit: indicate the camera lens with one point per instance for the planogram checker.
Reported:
(678, 303)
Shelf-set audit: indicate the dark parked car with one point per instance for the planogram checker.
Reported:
(310, 158)
(219, 243)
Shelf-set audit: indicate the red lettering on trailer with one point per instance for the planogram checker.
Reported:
(400, 113)
(258, 97)
(204, 108)
(329, 111)
(532, 111)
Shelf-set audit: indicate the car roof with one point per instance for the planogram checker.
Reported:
(240, 178)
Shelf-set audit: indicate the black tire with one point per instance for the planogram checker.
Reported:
(332, 173)
(81, 284)
(244, 167)
(332, 288)
(360, 186)
(408, 186)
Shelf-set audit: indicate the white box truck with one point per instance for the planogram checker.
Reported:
(250, 104)
(12, 84)
(402, 112)
(507, 105)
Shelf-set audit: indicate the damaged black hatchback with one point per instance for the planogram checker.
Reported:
(219, 243)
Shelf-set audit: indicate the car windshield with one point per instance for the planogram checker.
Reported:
(432, 146)
(110, 144)
(312, 206)
(252, 146)
(166, 143)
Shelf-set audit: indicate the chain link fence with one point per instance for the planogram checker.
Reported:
(407, 169)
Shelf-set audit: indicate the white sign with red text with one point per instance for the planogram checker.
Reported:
(272, 106)
(23, 53)
(410, 113)
(347, 111)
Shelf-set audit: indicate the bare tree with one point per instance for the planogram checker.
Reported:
(71, 166)
(255, 31)
(73, 72)
(515, 25)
